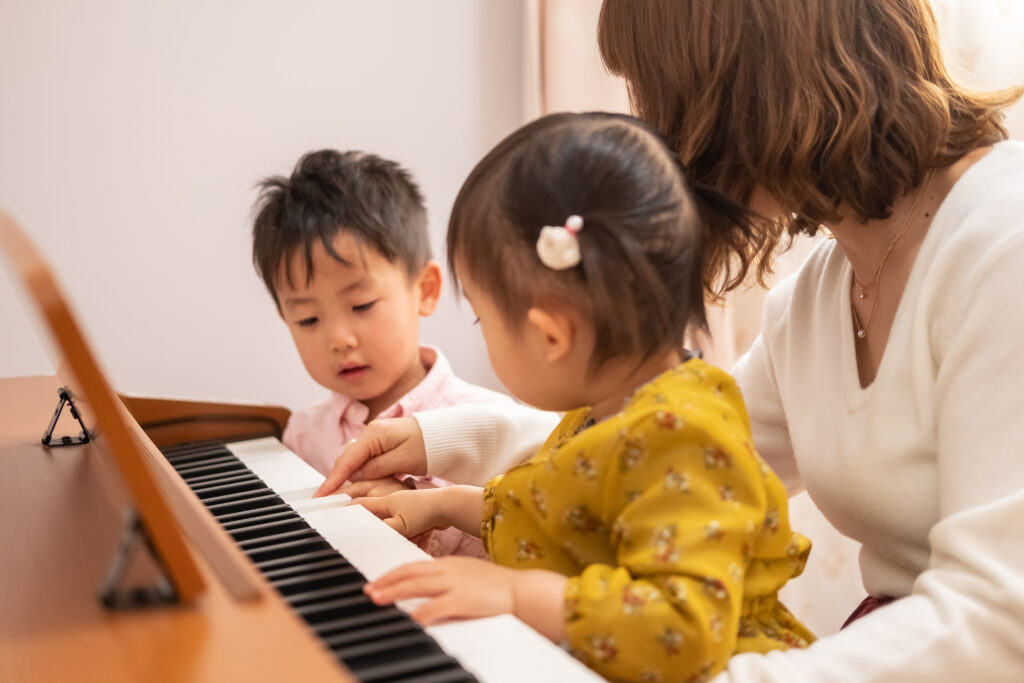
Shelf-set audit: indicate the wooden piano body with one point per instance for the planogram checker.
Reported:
(61, 512)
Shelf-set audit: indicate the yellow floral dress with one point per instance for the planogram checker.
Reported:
(673, 531)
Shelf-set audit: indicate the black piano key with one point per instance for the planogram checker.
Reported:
(175, 453)
(350, 637)
(399, 668)
(378, 644)
(296, 559)
(452, 674)
(286, 571)
(336, 609)
(267, 528)
(417, 643)
(310, 580)
(284, 550)
(232, 482)
(258, 548)
(210, 481)
(255, 503)
(229, 519)
(297, 596)
(360, 621)
(235, 493)
(227, 461)
(275, 540)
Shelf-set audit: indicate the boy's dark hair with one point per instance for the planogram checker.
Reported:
(373, 199)
(642, 243)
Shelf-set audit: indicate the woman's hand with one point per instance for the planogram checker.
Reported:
(385, 447)
(465, 587)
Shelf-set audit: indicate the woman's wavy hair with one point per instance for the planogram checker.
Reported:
(828, 105)
(639, 281)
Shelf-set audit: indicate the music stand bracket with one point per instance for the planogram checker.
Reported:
(83, 437)
(113, 595)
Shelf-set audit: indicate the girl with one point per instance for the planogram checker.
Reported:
(646, 532)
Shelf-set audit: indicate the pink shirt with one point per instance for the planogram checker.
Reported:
(320, 432)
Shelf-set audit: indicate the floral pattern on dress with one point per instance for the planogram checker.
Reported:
(664, 521)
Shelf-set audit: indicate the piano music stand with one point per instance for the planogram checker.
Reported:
(150, 516)
(83, 437)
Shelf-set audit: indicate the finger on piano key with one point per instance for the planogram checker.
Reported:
(499, 648)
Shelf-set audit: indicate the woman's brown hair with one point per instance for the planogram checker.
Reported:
(828, 105)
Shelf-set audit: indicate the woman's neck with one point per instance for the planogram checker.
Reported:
(620, 379)
(865, 244)
(874, 243)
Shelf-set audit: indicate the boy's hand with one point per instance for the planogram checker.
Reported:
(386, 447)
(376, 488)
(410, 513)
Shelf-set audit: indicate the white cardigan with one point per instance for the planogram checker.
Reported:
(924, 467)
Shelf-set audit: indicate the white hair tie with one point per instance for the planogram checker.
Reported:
(558, 245)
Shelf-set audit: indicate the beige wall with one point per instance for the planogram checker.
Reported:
(131, 135)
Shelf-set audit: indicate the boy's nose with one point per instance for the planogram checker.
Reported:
(343, 339)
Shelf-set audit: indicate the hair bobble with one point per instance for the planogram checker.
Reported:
(558, 245)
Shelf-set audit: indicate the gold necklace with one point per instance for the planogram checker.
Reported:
(862, 330)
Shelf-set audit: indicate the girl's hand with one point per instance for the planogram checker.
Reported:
(376, 487)
(465, 587)
(410, 513)
(458, 587)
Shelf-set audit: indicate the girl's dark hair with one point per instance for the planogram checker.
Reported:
(371, 198)
(642, 242)
(829, 105)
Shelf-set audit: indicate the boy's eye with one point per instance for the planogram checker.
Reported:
(308, 322)
(364, 307)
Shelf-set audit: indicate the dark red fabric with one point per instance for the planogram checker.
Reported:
(866, 606)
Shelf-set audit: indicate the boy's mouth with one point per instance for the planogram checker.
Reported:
(353, 371)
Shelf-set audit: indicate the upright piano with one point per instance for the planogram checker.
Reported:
(269, 579)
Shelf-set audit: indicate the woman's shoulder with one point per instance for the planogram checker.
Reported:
(986, 202)
(980, 223)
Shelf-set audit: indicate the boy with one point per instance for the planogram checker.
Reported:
(342, 246)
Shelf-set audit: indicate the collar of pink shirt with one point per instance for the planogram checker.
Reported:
(429, 393)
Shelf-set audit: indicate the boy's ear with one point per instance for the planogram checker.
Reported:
(428, 288)
(554, 330)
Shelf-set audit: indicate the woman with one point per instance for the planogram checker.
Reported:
(885, 377)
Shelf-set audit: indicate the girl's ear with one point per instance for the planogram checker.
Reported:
(553, 330)
(428, 288)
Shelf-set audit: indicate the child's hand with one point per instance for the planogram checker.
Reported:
(384, 448)
(410, 513)
(376, 488)
(458, 587)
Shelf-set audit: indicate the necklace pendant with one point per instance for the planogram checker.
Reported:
(861, 334)
(862, 294)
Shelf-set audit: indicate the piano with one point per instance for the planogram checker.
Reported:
(274, 591)
(61, 516)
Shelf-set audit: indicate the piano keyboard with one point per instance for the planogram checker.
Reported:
(319, 552)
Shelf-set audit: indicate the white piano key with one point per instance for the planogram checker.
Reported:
(283, 471)
(502, 649)
(495, 649)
